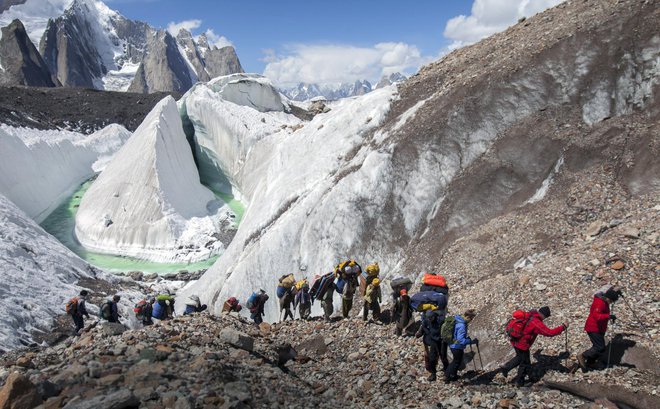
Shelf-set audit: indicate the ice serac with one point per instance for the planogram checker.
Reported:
(148, 202)
(226, 118)
(20, 61)
(39, 169)
(163, 68)
(463, 143)
(37, 273)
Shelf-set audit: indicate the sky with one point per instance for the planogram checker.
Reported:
(293, 41)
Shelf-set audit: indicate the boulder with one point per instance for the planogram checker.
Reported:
(237, 339)
(121, 399)
(112, 328)
(19, 393)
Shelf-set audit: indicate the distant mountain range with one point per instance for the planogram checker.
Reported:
(89, 45)
(306, 91)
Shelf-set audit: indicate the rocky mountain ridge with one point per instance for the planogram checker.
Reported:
(94, 47)
(331, 92)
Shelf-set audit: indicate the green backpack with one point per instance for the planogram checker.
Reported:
(447, 330)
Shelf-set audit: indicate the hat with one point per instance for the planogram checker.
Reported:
(84, 293)
(194, 298)
(612, 294)
(375, 282)
(545, 311)
(116, 297)
(232, 300)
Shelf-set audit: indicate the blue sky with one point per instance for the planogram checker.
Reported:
(331, 41)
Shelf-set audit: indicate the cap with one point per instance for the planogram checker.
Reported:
(116, 297)
(545, 311)
(375, 282)
(84, 293)
(612, 294)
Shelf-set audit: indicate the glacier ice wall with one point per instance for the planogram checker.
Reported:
(148, 202)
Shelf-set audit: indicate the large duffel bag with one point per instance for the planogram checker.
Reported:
(428, 297)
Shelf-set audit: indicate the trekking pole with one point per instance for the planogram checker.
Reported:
(641, 324)
(480, 361)
(474, 362)
(609, 349)
(567, 351)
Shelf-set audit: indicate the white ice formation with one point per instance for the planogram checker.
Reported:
(148, 202)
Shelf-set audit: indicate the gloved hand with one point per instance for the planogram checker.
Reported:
(613, 318)
(475, 341)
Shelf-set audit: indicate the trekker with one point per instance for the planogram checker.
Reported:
(328, 306)
(596, 326)
(109, 310)
(402, 312)
(231, 305)
(459, 342)
(285, 304)
(435, 349)
(143, 310)
(77, 309)
(257, 306)
(347, 283)
(532, 328)
(304, 302)
(194, 305)
(372, 299)
(163, 307)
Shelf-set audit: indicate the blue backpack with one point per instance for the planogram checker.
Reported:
(341, 283)
(428, 297)
(252, 301)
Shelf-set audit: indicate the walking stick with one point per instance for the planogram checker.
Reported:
(609, 349)
(641, 324)
(567, 351)
(474, 362)
(480, 361)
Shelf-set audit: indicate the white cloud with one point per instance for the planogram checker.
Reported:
(216, 40)
(324, 64)
(189, 25)
(491, 16)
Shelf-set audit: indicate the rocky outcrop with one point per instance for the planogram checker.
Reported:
(192, 54)
(222, 61)
(162, 68)
(386, 80)
(20, 60)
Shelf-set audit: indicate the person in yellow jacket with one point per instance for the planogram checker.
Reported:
(372, 299)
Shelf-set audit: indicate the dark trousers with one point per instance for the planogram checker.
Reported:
(346, 306)
(435, 351)
(522, 361)
(592, 354)
(79, 322)
(256, 316)
(452, 369)
(305, 311)
(373, 306)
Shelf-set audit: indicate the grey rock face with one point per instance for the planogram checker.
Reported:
(389, 80)
(186, 41)
(222, 61)
(162, 68)
(20, 59)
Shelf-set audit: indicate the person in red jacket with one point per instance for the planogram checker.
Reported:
(596, 326)
(533, 328)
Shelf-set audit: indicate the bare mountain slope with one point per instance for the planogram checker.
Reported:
(471, 137)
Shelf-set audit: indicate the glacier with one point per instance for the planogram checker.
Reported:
(149, 203)
(300, 185)
(29, 255)
(39, 169)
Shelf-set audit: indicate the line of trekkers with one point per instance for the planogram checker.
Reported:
(439, 331)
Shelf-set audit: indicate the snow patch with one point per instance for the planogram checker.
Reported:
(118, 80)
(34, 15)
(540, 193)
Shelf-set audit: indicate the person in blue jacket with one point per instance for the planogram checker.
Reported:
(461, 340)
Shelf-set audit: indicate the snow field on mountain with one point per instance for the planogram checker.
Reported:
(293, 223)
(38, 169)
(34, 14)
(148, 202)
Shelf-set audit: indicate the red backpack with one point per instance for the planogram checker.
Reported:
(515, 328)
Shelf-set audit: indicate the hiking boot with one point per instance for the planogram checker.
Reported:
(432, 377)
(582, 363)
